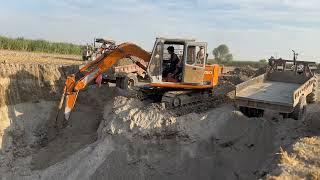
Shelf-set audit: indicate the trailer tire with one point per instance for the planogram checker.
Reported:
(132, 80)
(299, 111)
(122, 82)
(251, 112)
(312, 97)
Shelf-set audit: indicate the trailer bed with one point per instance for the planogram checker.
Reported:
(270, 91)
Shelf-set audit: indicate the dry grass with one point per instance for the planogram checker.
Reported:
(315, 175)
(287, 159)
(312, 140)
(303, 161)
(32, 57)
(284, 177)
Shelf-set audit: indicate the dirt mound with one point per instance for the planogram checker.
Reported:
(241, 74)
(221, 136)
(137, 140)
(111, 136)
(245, 71)
(132, 117)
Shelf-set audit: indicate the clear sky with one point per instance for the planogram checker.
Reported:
(253, 29)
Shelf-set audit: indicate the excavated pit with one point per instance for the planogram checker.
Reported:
(28, 105)
(113, 136)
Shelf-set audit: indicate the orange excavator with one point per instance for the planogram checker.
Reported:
(194, 83)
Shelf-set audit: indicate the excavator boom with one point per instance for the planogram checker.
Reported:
(78, 81)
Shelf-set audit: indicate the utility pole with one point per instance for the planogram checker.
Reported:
(295, 55)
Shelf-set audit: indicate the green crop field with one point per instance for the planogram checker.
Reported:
(22, 44)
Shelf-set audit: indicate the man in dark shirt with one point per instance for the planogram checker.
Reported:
(172, 72)
(174, 59)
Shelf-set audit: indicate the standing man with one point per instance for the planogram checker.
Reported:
(200, 55)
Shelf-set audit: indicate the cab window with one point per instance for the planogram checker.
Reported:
(195, 56)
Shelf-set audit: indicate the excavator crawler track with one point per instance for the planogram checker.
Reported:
(183, 102)
(200, 106)
(174, 99)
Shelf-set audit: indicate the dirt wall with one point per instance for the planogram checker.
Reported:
(31, 82)
(24, 89)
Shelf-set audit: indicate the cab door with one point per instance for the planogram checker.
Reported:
(154, 70)
(194, 62)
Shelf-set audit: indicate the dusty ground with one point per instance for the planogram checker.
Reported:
(9, 56)
(301, 159)
(113, 136)
(142, 141)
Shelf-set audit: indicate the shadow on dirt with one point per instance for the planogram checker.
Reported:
(30, 108)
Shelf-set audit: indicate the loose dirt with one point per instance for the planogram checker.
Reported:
(113, 136)
(141, 141)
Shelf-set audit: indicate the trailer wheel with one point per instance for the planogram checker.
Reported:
(132, 80)
(243, 110)
(312, 97)
(285, 115)
(122, 82)
(251, 112)
(299, 111)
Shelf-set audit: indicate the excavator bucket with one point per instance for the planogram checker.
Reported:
(61, 102)
(70, 102)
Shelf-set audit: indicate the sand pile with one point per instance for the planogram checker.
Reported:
(131, 117)
(137, 140)
(111, 136)
(220, 140)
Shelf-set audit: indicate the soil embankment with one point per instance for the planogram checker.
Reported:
(28, 93)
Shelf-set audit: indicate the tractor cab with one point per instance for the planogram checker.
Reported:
(191, 67)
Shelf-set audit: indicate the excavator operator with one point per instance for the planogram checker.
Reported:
(175, 68)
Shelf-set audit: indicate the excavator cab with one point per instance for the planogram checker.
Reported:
(192, 55)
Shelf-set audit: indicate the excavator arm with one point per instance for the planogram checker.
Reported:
(87, 74)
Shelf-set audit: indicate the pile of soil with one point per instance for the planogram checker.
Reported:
(241, 74)
(112, 136)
